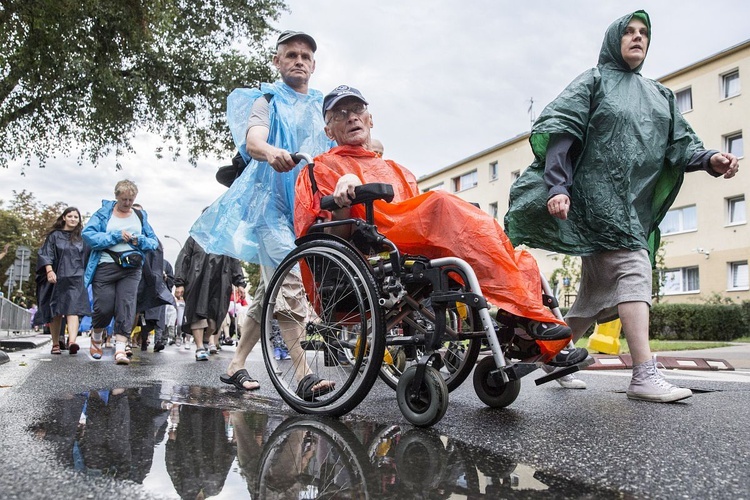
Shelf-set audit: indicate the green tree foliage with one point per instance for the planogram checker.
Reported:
(252, 272)
(658, 273)
(26, 222)
(90, 74)
(565, 279)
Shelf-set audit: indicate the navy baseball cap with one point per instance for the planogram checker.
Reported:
(288, 35)
(339, 93)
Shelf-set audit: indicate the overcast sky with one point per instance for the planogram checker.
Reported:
(445, 79)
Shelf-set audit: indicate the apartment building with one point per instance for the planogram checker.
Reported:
(706, 235)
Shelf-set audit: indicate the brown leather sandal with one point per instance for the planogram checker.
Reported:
(96, 349)
(56, 349)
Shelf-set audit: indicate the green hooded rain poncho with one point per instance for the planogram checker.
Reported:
(631, 148)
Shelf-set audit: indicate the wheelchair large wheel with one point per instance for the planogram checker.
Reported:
(304, 455)
(459, 356)
(339, 334)
(489, 391)
(431, 401)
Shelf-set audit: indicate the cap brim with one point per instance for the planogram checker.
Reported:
(338, 98)
(307, 38)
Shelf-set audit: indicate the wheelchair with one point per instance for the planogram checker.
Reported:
(417, 323)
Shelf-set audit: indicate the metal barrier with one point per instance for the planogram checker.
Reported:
(14, 319)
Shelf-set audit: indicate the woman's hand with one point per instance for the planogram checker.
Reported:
(558, 206)
(51, 276)
(725, 163)
(129, 238)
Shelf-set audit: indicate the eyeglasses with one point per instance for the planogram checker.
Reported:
(341, 114)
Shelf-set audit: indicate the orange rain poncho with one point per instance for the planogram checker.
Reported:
(434, 224)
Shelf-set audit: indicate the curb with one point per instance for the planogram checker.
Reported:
(624, 361)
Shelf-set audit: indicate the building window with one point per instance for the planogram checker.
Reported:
(493, 171)
(736, 210)
(515, 175)
(730, 84)
(436, 187)
(683, 280)
(493, 210)
(685, 100)
(679, 220)
(735, 145)
(738, 277)
(465, 181)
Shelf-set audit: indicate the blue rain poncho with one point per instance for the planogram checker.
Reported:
(253, 220)
(632, 147)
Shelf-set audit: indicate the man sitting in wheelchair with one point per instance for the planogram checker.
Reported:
(434, 224)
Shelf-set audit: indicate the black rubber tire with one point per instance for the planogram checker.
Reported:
(337, 449)
(344, 296)
(488, 390)
(432, 403)
(423, 455)
(453, 373)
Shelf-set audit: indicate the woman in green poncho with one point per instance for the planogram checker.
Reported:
(610, 155)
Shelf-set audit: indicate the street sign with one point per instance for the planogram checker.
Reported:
(20, 270)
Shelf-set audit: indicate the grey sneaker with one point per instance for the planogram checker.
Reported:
(648, 384)
(569, 381)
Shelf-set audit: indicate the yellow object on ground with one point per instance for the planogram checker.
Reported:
(606, 338)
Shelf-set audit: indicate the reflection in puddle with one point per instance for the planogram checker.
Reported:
(178, 443)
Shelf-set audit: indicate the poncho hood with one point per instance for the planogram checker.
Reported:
(610, 55)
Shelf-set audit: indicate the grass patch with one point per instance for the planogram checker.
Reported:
(671, 345)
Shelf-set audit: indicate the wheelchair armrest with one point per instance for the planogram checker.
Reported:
(366, 193)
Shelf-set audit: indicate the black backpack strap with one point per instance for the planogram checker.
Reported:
(140, 216)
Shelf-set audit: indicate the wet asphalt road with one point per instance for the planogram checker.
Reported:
(601, 444)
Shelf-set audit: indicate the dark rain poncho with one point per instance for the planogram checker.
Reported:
(208, 280)
(68, 260)
(631, 149)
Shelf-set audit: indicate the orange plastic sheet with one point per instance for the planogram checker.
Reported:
(434, 224)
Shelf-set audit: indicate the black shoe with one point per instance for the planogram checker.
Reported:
(546, 331)
(159, 347)
(569, 357)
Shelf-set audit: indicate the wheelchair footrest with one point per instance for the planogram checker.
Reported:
(518, 370)
(513, 372)
(561, 372)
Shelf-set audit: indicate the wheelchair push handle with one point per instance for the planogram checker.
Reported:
(366, 193)
(298, 157)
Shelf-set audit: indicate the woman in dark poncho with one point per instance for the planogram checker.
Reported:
(610, 154)
(59, 278)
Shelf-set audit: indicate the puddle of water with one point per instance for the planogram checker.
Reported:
(179, 443)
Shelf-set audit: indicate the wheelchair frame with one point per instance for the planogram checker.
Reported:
(360, 291)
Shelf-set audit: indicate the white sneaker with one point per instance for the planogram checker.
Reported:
(568, 381)
(648, 384)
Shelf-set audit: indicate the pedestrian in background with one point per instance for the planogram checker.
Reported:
(610, 153)
(59, 279)
(154, 294)
(206, 281)
(118, 236)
